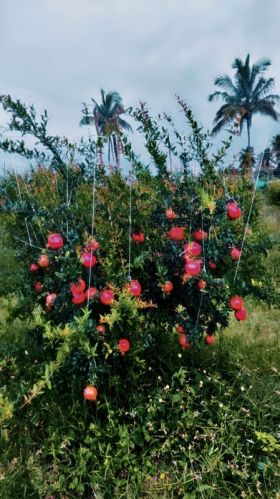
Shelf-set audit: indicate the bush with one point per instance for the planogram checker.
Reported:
(273, 192)
(160, 245)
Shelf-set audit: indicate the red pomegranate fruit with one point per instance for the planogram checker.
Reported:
(43, 261)
(176, 234)
(90, 392)
(236, 302)
(123, 345)
(55, 241)
(77, 287)
(135, 288)
(241, 314)
(88, 260)
(167, 287)
(235, 253)
(170, 214)
(200, 235)
(107, 297)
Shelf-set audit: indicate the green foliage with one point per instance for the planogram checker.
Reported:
(158, 404)
(273, 192)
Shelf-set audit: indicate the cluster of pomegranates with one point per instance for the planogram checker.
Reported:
(193, 266)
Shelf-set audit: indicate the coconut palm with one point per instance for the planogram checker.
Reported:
(275, 144)
(106, 117)
(248, 93)
(247, 162)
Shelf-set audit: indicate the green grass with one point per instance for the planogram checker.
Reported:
(213, 433)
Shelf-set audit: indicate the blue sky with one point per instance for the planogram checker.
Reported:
(59, 53)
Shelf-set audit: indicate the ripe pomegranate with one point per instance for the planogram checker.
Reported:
(33, 267)
(235, 253)
(183, 340)
(201, 284)
(170, 214)
(209, 339)
(38, 286)
(88, 259)
(123, 345)
(200, 235)
(90, 392)
(241, 314)
(55, 241)
(92, 245)
(212, 265)
(176, 234)
(43, 261)
(107, 297)
(233, 211)
(192, 248)
(135, 288)
(50, 299)
(78, 298)
(138, 237)
(77, 287)
(236, 302)
(193, 268)
(180, 329)
(167, 287)
(101, 329)
(90, 293)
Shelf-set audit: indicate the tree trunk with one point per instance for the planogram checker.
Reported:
(248, 133)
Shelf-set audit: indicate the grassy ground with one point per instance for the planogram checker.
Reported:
(227, 446)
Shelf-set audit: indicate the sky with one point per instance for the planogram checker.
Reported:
(57, 54)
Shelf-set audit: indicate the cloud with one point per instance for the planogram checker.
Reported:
(59, 53)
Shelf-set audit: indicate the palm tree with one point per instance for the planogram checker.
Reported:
(247, 94)
(275, 144)
(107, 121)
(247, 161)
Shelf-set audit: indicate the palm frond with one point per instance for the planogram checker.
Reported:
(87, 120)
(266, 108)
(125, 125)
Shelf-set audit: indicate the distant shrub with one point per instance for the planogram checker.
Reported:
(273, 192)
